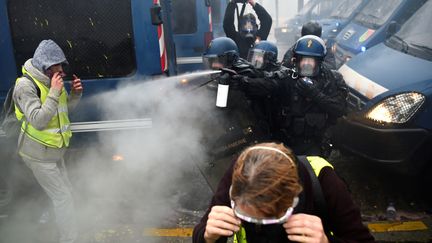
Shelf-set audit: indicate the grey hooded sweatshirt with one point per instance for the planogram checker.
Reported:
(37, 114)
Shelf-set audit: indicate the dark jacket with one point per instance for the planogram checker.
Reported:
(293, 118)
(344, 216)
(230, 30)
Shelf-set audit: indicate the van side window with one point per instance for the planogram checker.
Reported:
(184, 16)
(96, 35)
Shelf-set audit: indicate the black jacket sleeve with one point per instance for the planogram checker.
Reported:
(221, 197)
(335, 100)
(344, 216)
(289, 54)
(259, 87)
(228, 22)
(265, 21)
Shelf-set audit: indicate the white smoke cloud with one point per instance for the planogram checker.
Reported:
(153, 181)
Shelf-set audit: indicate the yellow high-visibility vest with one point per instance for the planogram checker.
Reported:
(317, 164)
(57, 133)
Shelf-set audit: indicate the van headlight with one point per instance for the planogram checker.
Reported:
(396, 109)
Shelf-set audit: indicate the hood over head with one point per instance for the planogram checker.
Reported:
(47, 54)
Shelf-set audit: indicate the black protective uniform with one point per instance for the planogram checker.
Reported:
(230, 30)
(296, 117)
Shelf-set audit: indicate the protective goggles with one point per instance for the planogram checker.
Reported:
(265, 221)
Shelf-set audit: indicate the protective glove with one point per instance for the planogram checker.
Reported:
(282, 73)
(307, 87)
(224, 79)
(238, 81)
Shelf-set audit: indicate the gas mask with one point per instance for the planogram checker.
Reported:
(308, 66)
(248, 29)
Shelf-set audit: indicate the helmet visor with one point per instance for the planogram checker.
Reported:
(214, 62)
(257, 58)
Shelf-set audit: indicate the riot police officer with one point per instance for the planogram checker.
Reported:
(299, 103)
(309, 28)
(314, 101)
(223, 53)
(237, 116)
(258, 89)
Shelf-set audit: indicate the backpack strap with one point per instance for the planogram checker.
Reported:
(318, 195)
(34, 83)
(21, 139)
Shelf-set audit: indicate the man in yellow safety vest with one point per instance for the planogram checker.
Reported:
(42, 104)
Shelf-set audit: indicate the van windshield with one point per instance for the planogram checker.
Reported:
(345, 9)
(416, 34)
(377, 12)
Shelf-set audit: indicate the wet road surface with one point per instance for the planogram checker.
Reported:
(170, 217)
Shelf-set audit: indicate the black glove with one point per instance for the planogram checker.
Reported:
(224, 79)
(238, 82)
(249, 72)
(307, 87)
(282, 73)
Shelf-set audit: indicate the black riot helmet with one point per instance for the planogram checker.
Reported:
(309, 52)
(263, 55)
(222, 52)
(311, 28)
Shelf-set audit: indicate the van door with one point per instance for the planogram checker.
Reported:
(192, 32)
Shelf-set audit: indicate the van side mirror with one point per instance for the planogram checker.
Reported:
(392, 28)
(156, 14)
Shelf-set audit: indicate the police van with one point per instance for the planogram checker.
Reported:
(391, 99)
(339, 18)
(378, 20)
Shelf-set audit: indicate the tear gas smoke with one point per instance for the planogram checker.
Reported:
(153, 177)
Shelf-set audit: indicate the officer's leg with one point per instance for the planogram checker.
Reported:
(53, 182)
